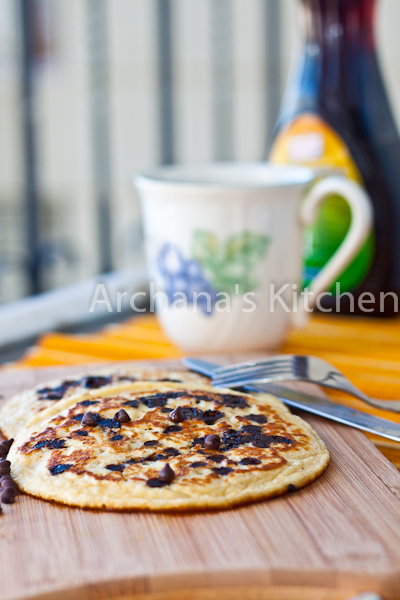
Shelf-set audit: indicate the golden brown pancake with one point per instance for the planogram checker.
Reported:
(148, 458)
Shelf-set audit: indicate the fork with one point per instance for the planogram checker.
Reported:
(293, 367)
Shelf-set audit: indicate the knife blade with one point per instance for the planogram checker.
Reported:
(316, 405)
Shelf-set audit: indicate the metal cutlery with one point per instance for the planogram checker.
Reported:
(292, 367)
(312, 404)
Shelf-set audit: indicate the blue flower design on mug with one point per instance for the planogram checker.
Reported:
(216, 267)
(185, 276)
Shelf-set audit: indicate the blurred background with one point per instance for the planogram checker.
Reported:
(93, 91)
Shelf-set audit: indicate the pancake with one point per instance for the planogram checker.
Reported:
(147, 458)
(25, 405)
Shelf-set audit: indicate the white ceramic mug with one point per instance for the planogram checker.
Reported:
(228, 236)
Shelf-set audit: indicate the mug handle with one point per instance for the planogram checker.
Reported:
(360, 226)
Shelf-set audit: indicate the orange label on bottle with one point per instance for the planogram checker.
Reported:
(308, 140)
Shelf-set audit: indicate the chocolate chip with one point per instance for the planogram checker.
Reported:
(212, 442)
(51, 444)
(191, 412)
(172, 429)
(159, 400)
(233, 439)
(7, 444)
(251, 434)
(57, 469)
(8, 495)
(249, 461)
(95, 381)
(279, 439)
(3, 452)
(231, 401)
(110, 423)
(116, 438)
(264, 441)
(6, 483)
(89, 419)
(154, 457)
(156, 483)
(177, 415)
(171, 452)
(291, 488)
(222, 470)
(122, 416)
(166, 474)
(261, 442)
(198, 463)
(88, 402)
(5, 478)
(258, 418)
(218, 458)
(43, 391)
(115, 467)
(208, 416)
(9, 483)
(211, 416)
(202, 397)
(5, 467)
(252, 429)
(198, 441)
(132, 403)
(54, 395)
(154, 401)
(151, 443)
(58, 392)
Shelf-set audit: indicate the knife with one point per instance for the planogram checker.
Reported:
(322, 407)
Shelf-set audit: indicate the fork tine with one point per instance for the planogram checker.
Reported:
(240, 378)
(244, 371)
(284, 359)
(254, 363)
(250, 381)
(273, 368)
(252, 372)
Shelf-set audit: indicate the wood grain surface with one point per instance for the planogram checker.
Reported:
(329, 541)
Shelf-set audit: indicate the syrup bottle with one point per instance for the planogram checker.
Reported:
(336, 114)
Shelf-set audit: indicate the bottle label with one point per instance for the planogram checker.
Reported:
(308, 140)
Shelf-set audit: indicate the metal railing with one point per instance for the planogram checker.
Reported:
(99, 67)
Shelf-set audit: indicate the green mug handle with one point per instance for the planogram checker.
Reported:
(360, 226)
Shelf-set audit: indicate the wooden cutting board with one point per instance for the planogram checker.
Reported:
(337, 537)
